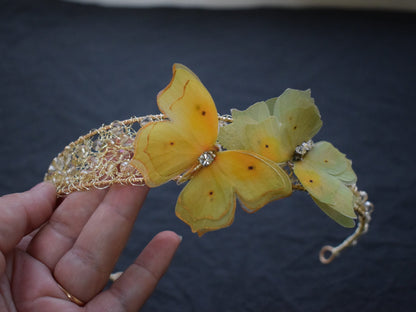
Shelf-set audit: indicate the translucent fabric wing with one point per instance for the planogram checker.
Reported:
(188, 103)
(208, 201)
(167, 148)
(162, 152)
(324, 172)
(264, 139)
(299, 116)
(345, 221)
(256, 180)
(275, 127)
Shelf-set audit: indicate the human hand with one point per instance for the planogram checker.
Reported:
(76, 246)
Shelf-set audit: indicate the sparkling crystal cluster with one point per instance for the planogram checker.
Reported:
(362, 206)
(302, 149)
(206, 158)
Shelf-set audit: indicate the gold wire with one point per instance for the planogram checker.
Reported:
(364, 209)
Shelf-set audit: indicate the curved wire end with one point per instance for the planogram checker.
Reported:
(364, 209)
(326, 255)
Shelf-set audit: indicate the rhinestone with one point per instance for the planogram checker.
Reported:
(84, 173)
(206, 158)
(81, 151)
(302, 149)
(111, 168)
(363, 196)
(98, 145)
(71, 171)
(125, 141)
(58, 163)
(51, 169)
(145, 121)
(57, 179)
(92, 161)
(117, 128)
(125, 167)
(124, 154)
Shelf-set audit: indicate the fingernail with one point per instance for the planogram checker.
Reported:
(180, 237)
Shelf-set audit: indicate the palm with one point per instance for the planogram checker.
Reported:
(78, 248)
(33, 281)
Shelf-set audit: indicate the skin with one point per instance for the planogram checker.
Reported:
(76, 243)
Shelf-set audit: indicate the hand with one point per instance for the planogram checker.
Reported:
(76, 245)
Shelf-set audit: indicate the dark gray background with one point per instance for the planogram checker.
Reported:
(67, 68)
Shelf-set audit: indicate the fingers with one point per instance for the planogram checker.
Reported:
(21, 213)
(136, 284)
(64, 226)
(85, 268)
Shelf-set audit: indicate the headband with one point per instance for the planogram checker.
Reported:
(258, 155)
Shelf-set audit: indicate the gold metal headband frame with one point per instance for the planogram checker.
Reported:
(102, 158)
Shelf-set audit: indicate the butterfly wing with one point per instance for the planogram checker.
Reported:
(162, 152)
(165, 149)
(255, 180)
(275, 127)
(188, 103)
(264, 138)
(298, 115)
(234, 136)
(326, 157)
(208, 201)
(347, 222)
(325, 173)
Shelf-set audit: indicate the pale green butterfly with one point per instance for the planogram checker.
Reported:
(276, 128)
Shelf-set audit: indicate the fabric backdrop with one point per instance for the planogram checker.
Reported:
(67, 68)
(233, 4)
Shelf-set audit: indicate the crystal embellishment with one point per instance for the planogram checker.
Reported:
(206, 158)
(302, 149)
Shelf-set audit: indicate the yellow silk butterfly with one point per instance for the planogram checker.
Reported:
(279, 129)
(184, 147)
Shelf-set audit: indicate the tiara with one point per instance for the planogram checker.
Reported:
(257, 155)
